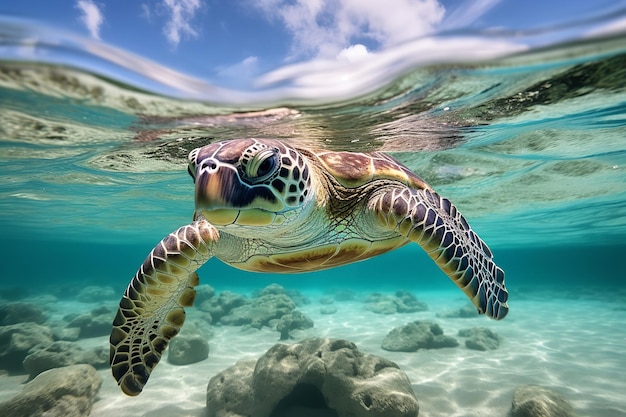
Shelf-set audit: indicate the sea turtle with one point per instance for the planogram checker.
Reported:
(267, 206)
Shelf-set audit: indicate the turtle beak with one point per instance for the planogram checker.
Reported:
(223, 198)
(215, 185)
(214, 194)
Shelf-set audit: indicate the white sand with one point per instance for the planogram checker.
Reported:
(575, 347)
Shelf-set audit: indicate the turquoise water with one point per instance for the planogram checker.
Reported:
(530, 146)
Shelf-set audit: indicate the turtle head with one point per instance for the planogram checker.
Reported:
(249, 182)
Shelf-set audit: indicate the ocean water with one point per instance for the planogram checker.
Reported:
(529, 143)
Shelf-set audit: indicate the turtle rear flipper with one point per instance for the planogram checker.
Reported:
(434, 223)
(151, 311)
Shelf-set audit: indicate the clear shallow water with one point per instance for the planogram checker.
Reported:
(531, 147)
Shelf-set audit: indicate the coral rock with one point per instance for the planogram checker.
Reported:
(480, 338)
(328, 310)
(95, 294)
(63, 353)
(184, 350)
(93, 324)
(417, 335)
(315, 377)
(537, 401)
(401, 302)
(260, 311)
(204, 293)
(222, 305)
(60, 392)
(293, 321)
(14, 313)
(17, 340)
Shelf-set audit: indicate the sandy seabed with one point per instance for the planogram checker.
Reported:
(576, 347)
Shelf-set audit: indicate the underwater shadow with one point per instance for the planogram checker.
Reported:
(305, 400)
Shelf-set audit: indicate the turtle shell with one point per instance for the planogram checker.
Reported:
(353, 169)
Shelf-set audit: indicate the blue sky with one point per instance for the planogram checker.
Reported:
(228, 41)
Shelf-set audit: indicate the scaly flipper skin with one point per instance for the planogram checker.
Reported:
(435, 224)
(151, 310)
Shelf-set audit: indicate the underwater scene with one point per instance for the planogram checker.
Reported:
(398, 305)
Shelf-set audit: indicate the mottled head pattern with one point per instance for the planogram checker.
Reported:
(249, 182)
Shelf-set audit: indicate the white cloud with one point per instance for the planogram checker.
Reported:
(309, 83)
(91, 16)
(323, 28)
(467, 13)
(353, 53)
(146, 13)
(181, 13)
(325, 80)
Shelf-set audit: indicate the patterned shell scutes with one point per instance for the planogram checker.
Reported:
(354, 169)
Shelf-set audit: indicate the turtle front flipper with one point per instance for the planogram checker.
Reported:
(435, 224)
(151, 310)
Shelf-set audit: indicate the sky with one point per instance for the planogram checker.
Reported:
(231, 42)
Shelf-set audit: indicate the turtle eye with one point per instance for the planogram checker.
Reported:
(262, 165)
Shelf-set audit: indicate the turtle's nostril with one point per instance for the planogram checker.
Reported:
(208, 165)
